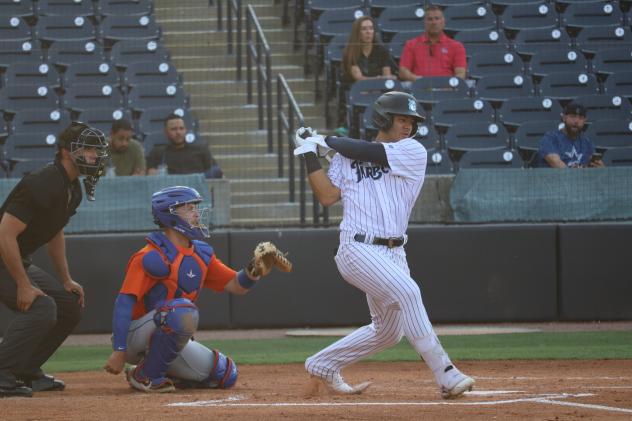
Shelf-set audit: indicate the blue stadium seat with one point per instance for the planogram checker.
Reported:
(362, 94)
(438, 162)
(311, 11)
(398, 19)
(396, 45)
(376, 7)
(121, 28)
(595, 13)
(568, 85)
(19, 52)
(33, 73)
(14, 29)
(153, 95)
(66, 53)
(619, 83)
(482, 41)
(469, 17)
(452, 3)
(15, 98)
(494, 63)
(24, 9)
(475, 136)
(97, 72)
(550, 61)
(496, 158)
(595, 38)
(617, 157)
(613, 60)
(517, 17)
(152, 120)
(103, 118)
(528, 136)
(158, 139)
(606, 106)
(333, 73)
(65, 8)
(65, 28)
(449, 112)
(124, 7)
(530, 41)
(516, 111)
(611, 133)
(40, 120)
(30, 151)
(430, 90)
(151, 72)
(83, 96)
(131, 51)
(498, 88)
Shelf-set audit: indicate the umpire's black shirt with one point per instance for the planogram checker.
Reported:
(44, 200)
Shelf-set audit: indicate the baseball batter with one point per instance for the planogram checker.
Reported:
(155, 315)
(378, 183)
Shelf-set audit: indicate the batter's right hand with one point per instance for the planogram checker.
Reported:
(26, 295)
(116, 362)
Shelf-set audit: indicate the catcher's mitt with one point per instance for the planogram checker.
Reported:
(267, 255)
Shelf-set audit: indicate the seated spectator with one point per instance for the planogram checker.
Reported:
(364, 57)
(569, 147)
(180, 157)
(126, 153)
(432, 53)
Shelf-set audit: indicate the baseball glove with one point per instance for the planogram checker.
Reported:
(267, 256)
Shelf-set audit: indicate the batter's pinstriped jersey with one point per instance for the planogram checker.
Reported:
(378, 200)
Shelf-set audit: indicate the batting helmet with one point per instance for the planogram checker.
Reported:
(78, 137)
(163, 207)
(394, 103)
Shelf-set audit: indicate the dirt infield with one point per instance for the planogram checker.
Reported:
(517, 390)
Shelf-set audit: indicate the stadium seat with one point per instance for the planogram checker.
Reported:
(469, 17)
(362, 94)
(396, 45)
(65, 28)
(611, 133)
(617, 157)
(152, 120)
(34, 73)
(550, 61)
(15, 98)
(376, 7)
(121, 28)
(498, 88)
(528, 136)
(65, 8)
(517, 17)
(594, 13)
(619, 83)
(153, 95)
(448, 112)
(124, 7)
(494, 63)
(529, 41)
(103, 118)
(130, 51)
(438, 162)
(398, 19)
(330, 23)
(452, 3)
(495, 158)
(568, 85)
(606, 106)
(40, 120)
(471, 136)
(595, 38)
(14, 29)
(516, 111)
(151, 72)
(97, 72)
(20, 9)
(613, 60)
(482, 41)
(159, 139)
(66, 53)
(333, 72)
(430, 90)
(83, 96)
(30, 151)
(19, 52)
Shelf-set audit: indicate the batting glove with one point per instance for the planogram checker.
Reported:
(302, 146)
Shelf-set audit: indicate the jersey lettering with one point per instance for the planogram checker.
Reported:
(366, 170)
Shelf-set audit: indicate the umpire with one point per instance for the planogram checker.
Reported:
(34, 214)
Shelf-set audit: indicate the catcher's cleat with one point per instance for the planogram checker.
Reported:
(338, 385)
(455, 383)
(144, 384)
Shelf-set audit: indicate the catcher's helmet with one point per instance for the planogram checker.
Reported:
(163, 207)
(79, 136)
(394, 103)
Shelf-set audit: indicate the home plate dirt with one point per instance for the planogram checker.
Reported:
(516, 390)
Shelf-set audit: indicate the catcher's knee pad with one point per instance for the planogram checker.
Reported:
(223, 373)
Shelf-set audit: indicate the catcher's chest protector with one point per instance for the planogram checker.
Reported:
(179, 275)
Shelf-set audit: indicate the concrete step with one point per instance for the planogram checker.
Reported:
(207, 34)
(256, 185)
(183, 62)
(201, 92)
(269, 197)
(284, 212)
(217, 72)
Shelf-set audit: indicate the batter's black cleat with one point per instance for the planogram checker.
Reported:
(45, 383)
(16, 392)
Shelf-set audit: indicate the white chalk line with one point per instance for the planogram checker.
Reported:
(585, 405)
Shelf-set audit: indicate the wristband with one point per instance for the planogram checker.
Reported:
(311, 162)
(244, 280)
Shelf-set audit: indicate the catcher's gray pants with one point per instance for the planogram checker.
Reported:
(194, 362)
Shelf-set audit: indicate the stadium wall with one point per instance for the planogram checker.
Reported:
(482, 273)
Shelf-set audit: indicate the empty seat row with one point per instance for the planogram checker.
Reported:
(31, 9)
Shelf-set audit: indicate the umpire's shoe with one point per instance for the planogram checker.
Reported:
(44, 383)
(144, 384)
(9, 387)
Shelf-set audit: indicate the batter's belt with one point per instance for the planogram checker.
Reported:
(388, 242)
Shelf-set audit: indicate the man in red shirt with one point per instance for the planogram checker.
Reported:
(432, 53)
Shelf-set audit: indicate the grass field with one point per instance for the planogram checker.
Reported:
(516, 346)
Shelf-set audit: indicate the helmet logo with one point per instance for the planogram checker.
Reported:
(412, 105)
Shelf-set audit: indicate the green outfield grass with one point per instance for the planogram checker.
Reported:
(522, 346)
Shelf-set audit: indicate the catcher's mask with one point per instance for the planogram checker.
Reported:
(88, 148)
(167, 208)
(394, 103)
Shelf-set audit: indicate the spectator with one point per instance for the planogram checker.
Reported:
(569, 147)
(432, 53)
(363, 58)
(180, 157)
(126, 153)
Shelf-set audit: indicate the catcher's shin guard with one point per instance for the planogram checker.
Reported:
(176, 321)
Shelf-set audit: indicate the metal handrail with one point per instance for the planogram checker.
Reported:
(257, 49)
(220, 26)
(234, 7)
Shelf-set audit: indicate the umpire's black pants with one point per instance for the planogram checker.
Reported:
(34, 335)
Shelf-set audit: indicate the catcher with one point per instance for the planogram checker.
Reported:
(154, 314)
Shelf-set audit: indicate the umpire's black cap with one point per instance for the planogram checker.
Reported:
(576, 108)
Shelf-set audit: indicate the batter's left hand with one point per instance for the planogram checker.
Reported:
(73, 287)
